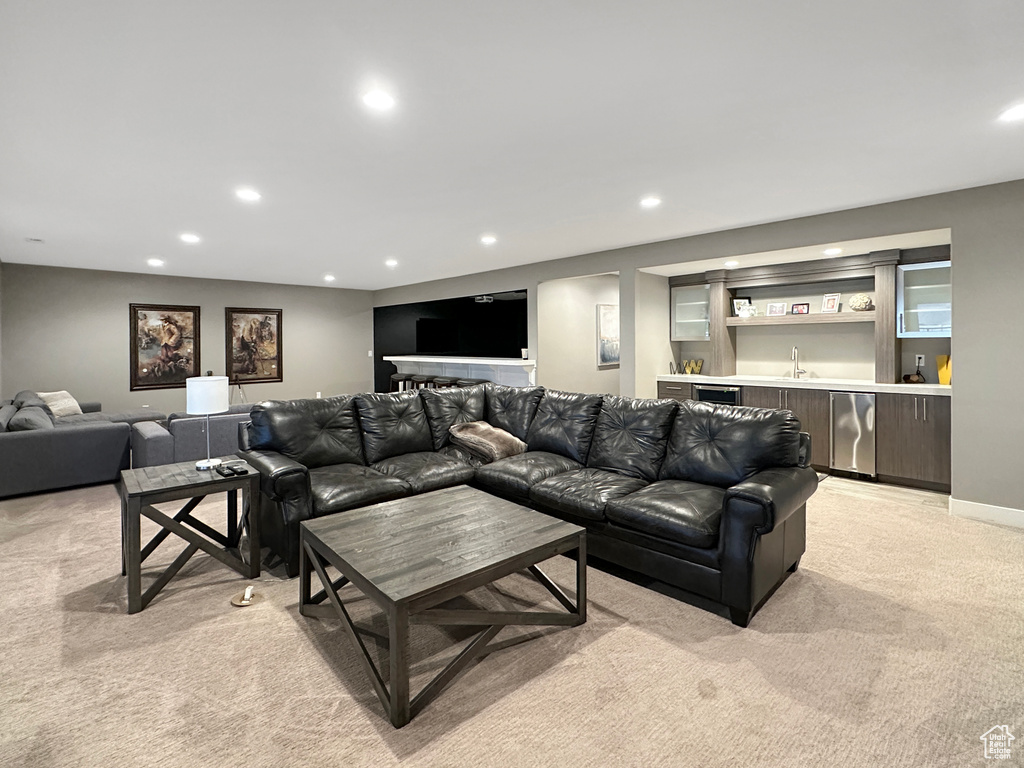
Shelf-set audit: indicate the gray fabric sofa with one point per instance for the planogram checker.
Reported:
(182, 437)
(40, 452)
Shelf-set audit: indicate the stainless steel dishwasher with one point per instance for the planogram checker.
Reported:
(853, 432)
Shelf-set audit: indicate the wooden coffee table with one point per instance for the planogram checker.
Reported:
(411, 555)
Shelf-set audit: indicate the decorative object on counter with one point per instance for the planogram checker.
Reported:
(748, 310)
(671, 368)
(914, 378)
(607, 335)
(945, 366)
(801, 309)
(776, 309)
(692, 366)
(859, 302)
(740, 301)
(830, 302)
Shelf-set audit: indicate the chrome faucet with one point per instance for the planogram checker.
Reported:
(795, 357)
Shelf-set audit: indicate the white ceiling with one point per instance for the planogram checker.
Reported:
(126, 123)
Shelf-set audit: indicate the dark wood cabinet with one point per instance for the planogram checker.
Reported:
(808, 405)
(912, 439)
(675, 390)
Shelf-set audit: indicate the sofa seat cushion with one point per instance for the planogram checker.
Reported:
(516, 475)
(347, 486)
(426, 471)
(130, 417)
(564, 424)
(674, 510)
(449, 406)
(584, 492)
(453, 451)
(82, 418)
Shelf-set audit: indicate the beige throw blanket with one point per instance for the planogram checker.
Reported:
(485, 441)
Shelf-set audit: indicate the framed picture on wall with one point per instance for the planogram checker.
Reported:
(607, 335)
(253, 345)
(776, 309)
(164, 345)
(830, 302)
(802, 309)
(740, 301)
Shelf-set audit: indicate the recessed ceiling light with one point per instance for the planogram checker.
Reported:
(488, 239)
(1013, 114)
(190, 238)
(650, 202)
(731, 264)
(392, 263)
(155, 262)
(832, 251)
(379, 100)
(248, 194)
(328, 278)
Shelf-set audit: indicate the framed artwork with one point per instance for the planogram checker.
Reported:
(740, 301)
(253, 345)
(830, 303)
(607, 335)
(164, 345)
(801, 309)
(776, 309)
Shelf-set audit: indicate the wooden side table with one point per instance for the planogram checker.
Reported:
(141, 488)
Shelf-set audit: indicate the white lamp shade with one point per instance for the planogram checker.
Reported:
(206, 394)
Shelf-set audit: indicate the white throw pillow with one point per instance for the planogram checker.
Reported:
(61, 403)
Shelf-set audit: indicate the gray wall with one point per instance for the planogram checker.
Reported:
(68, 329)
(567, 334)
(2, 390)
(653, 350)
(988, 273)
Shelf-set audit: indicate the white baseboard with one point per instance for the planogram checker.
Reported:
(987, 512)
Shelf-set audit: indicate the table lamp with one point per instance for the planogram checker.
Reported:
(205, 395)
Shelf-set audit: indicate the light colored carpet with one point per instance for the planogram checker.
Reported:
(900, 641)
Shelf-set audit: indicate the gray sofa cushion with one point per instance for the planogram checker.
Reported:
(631, 435)
(674, 510)
(28, 398)
(564, 424)
(313, 432)
(583, 492)
(28, 418)
(449, 406)
(725, 444)
(511, 408)
(393, 423)
(6, 412)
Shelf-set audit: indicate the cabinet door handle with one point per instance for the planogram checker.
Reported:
(787, 398)
(901, 322)
(780, 399)
(677, 389)
(925, 401)
(915, 408)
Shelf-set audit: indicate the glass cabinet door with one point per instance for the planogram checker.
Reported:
(690, 313)
(924, 300)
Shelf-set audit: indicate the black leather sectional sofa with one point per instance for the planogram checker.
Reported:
(709, 498)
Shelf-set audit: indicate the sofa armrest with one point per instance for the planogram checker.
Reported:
(281, 478)
(770, 496)
(804, 455)
(91, 407)
(152, 445)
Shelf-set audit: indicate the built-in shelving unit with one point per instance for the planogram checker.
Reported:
(867, 316)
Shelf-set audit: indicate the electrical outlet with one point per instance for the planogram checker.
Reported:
(919, 359)
(317, 395)
(369, 353)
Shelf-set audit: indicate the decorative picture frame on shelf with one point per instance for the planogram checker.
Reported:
(830, 302)
(802, 308)
(776, 309)
(607, 335)
(254, 349)
(740, 301)
(164, 342)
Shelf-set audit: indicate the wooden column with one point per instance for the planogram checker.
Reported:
(888, 348)
(723, 338)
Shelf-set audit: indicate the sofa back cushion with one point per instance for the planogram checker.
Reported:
(564, 424)
(27, 398)
(725, 444)
(511, 408)
(28, 418)
(631, 435)
(393, 423)
(315, 433)
(445, 407)
(6, 414)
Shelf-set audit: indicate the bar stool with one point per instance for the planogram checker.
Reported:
(422, 381)
(445, 381)
(401, 382)
(462, 383)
